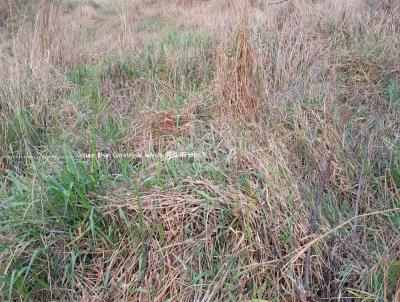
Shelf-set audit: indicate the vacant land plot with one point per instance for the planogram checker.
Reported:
(183, 150)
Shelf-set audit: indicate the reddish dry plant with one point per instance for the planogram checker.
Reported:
(169, 123)
(236, 75)
(159, 131)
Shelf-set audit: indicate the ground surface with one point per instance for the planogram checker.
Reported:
(182, 150)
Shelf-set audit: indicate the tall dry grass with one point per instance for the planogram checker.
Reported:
(236, 73)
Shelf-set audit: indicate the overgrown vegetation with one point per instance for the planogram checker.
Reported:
(200, 151)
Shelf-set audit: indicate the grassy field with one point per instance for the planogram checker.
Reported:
(183, 150)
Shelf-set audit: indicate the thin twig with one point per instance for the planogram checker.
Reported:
(276, 3)
(325, 175)
(357, 205)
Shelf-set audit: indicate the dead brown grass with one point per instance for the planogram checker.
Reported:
(167, 265)
(167, 123)
(235, 74)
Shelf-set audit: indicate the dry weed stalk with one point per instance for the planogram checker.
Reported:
(236, 78)
(189, 3)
